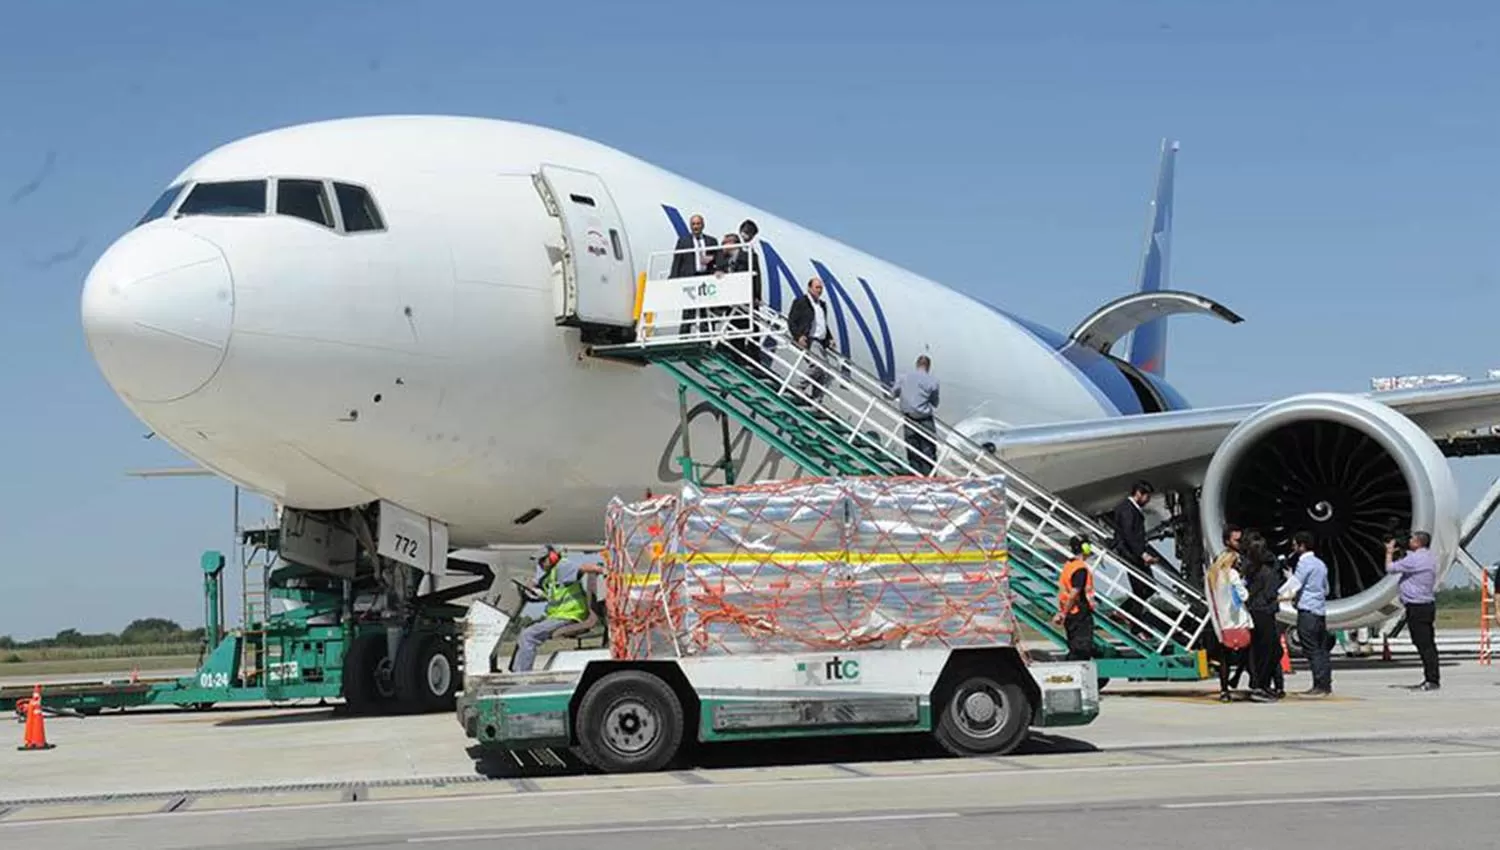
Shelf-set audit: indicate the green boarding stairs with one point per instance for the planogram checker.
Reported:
(854, 427)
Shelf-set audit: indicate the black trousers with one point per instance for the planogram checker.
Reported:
(1265, 649)
(920, 449)
(1230, 662)
(1421, 620)
(1080, 629)
(1136, 606)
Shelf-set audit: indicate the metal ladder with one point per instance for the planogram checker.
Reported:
(854, 427)
(255, 608)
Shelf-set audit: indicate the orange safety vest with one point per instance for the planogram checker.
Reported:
(1065, 584)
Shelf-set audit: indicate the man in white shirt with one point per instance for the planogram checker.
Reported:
(807, 322)
(695, 251)
(695, 255)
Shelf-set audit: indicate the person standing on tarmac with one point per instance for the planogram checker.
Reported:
(1075, 601)
(1418, 572)
(1223, 584)
(1308, 587)
(1265, 636)
(559, 583)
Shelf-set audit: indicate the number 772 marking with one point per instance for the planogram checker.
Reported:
(406, 546)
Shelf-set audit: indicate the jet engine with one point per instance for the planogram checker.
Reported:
(1350, 470)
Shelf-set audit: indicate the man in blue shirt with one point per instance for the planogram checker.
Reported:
(1311, 575)
(918, 393)
(1418, 572)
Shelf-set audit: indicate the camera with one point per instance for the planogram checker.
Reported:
(1398, 537)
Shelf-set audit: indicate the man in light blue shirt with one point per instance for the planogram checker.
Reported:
(1418, 572)
(1311, 574)
(918, 393)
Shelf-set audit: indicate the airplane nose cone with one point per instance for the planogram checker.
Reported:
(157, 311)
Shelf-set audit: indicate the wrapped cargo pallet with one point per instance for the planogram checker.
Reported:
(846, 563)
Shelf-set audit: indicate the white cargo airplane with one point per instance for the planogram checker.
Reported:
(377, 309)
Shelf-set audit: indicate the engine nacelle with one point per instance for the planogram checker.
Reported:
(1349, 470)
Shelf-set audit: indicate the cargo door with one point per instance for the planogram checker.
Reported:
(598, 277)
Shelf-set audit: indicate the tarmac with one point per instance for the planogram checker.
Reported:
(1373, 751)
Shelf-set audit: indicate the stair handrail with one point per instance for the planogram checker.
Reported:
(1181, 621)
(726, 323)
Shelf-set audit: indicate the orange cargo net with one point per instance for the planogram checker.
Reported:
(810, 565)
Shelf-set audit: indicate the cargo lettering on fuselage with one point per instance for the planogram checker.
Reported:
(777, 274)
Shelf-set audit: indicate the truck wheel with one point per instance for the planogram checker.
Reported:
(368, 688)
(629, 722)
(426, 674)
(983, 717)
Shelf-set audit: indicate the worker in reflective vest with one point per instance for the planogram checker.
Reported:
(1075, 601)
(559, 584)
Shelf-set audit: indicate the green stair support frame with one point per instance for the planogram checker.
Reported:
(825, 445)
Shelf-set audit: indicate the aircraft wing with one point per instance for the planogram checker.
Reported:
(1092, 463)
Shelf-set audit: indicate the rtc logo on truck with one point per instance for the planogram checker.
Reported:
(831, 671)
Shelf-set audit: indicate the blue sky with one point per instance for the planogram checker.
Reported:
(1338, 186)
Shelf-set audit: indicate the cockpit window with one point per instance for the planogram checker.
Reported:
(304, 199)
(162, 204)
(235, 197)
(358, 208)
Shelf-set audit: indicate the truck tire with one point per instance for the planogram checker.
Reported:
(368, 688)
(982, 716)
(629, 722)
(426, 674)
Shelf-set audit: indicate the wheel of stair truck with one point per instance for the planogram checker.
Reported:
(629, 722)
(426, 674)
(368, 685)
(983, 716)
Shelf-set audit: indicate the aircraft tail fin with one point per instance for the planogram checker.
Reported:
(1148, 343)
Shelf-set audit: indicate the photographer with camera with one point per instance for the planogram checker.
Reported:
(1418, 572)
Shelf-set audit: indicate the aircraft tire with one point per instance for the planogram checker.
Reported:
(426, 674)
(368, 688)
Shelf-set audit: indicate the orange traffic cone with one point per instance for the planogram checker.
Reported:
(1286, 656)
(36, 728)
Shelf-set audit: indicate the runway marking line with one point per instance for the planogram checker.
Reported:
(683, 827)
(1213, 698)
(525, 785)
(908, 778)
(1372, 798)
(850, 769)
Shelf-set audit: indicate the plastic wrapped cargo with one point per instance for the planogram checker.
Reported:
(810, 565)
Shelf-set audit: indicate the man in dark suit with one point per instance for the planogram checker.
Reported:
(1129, 520)
(694, 255)
(807, 323)
(753, 347)
(695, 252)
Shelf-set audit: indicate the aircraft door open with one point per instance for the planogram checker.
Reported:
(598, 277)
